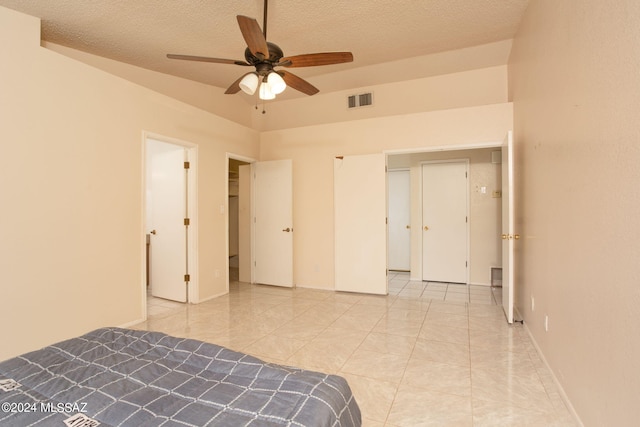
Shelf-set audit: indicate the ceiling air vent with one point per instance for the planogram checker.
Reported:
(361, 100)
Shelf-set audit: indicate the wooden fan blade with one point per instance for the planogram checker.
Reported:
(206, 59)
(252, 34)
(298, 84)
(315, 59)
(235, 86)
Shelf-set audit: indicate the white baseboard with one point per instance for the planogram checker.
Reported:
(564, 396)
(312, 287)
(129, 324)
(211, 297)
(488, 285)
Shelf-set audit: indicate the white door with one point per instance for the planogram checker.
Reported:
(360, 224)
(166, 211)
(508, 235)
(399, 220)
(273, 190)
(444, 222)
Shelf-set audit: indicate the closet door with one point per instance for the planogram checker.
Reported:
(444, 222)
(360, 224)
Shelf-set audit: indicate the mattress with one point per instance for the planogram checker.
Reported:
(122, 377)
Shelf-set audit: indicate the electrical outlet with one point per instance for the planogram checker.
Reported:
(533, 304)
(546, 323)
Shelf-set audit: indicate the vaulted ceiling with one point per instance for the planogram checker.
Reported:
(386, 33)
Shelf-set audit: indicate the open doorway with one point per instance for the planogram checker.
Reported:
(484, 204)
(239, 209)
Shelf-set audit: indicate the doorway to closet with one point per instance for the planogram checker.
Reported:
(239, 219)
(260, 221)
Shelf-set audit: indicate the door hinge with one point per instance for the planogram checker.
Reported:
(465, 175)
(466, 263)
(186, 221)
(187, 278)
(466, 219)
(187, 165)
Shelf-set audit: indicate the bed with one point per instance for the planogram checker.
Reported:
(123, 377)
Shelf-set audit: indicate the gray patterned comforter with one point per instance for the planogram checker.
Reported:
(121, 377)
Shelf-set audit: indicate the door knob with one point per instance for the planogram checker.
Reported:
(516, 236)
(426, 228)
(408, 227)
(153, 232)
(286, 230)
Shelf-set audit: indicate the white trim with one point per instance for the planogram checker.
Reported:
(486, 285)
(563, 394)
(316, 288)
(143, 234)
(473, 146)
(214, 296)
(134, 322)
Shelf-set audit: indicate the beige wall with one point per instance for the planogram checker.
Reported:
(200, 95)
(71, 190)
(574, 79)
(313, 149)
(447, 91)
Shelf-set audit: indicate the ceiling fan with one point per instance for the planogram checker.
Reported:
(265, 56)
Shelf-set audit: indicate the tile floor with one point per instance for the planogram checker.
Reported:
(427, 354)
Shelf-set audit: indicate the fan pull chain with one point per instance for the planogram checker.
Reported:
(264, 111)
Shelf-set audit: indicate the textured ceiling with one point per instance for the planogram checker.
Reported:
(142, 32)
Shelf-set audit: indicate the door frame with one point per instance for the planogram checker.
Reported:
(192, 208)
(508, 229)
(417, 275)
(468, 229)
(251, 161)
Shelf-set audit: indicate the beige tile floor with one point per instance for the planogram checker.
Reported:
(428, 354)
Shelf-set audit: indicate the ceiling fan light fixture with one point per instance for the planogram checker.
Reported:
(276, 83)
(265, 92)
(249, 83)
(264, 56)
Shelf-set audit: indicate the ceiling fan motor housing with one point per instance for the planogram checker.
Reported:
(264, 66)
